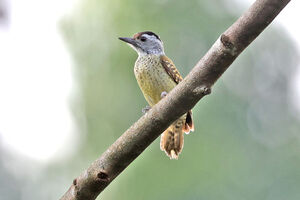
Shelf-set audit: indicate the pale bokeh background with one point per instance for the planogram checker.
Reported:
(67, 91)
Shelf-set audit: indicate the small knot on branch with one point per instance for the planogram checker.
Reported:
(228, 44)
(203, 90)
(206, 90)
(103, 176)
(226, 41)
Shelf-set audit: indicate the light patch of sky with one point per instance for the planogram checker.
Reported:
(288, 18)
(35, 80)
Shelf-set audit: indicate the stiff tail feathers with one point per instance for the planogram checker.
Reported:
(172, 139)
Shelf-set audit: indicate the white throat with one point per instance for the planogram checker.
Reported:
(150, 52)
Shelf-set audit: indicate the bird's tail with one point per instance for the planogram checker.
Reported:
(172, 138)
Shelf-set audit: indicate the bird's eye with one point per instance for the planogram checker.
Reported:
(143, 39)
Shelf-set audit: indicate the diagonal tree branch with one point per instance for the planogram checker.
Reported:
(181, 99)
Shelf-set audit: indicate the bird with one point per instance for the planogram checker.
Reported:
(156, 76)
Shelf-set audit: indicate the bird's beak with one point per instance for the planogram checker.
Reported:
(129, 40)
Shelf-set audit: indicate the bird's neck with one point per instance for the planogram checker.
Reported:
(151, 53)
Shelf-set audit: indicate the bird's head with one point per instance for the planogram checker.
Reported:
(145, 43)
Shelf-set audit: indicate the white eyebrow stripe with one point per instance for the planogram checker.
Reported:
(151, 37)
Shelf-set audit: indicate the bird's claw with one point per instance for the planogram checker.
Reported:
(146, 109)
(163, 94)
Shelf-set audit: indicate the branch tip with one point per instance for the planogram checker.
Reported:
(75, 181)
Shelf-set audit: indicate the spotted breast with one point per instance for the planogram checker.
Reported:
(152, 78)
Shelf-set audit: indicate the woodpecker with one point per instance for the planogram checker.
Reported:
(157, 75)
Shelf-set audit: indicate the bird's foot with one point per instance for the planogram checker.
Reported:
(163, 94)
(146, 109)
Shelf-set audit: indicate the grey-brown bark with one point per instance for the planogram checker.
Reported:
(181, 99)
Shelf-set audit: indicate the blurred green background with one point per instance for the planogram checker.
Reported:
(246, 141)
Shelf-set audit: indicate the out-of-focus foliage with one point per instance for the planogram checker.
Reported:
(246, 140)
(245, 143)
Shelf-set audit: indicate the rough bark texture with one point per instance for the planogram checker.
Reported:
(181, 99)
